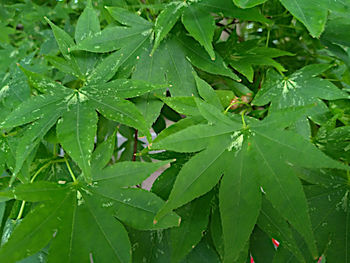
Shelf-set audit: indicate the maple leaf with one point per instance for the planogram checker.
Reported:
(254, 160)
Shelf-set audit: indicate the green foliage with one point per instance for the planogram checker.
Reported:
(240, 108)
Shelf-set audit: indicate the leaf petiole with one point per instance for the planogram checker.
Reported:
(20, 213)
(70, 171)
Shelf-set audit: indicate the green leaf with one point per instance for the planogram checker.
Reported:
(123, 60)
(178, 70)
(45, 84)
(209, 165)
(200, 59)
(208, 93)
(240, 201)
(261, 247)
(150, 246)
(178, 126)
(272, 222)
(39, 191)
(329, 211)
(299, 89)
(103, 153)
(122, 111)
(191, 139)
(126, 173)
(60, 63)
(273, 153)
(32, 109)
(195, 217)
(111, 39)
(122, 88)
(202, 253)
(103, 238)
(35, 231)
(336, 31)
(106, 69)
(313, 14)
(182, 105)
(34, 134)
(130, 202)
(87, 23)
(246, 54)
(336, 143)
(214, 116)
(201, 25)
(150, 107)
(166, 20)
(227, 8)
(248, 3)
(127, 18)
(65, 42)
(76, 131)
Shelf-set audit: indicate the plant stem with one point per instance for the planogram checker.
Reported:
(268, 37)
(20, 213)
(243, 120)
(70, 171)
(135, 146)
(45, 166)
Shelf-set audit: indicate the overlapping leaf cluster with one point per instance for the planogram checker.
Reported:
(243, 105)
